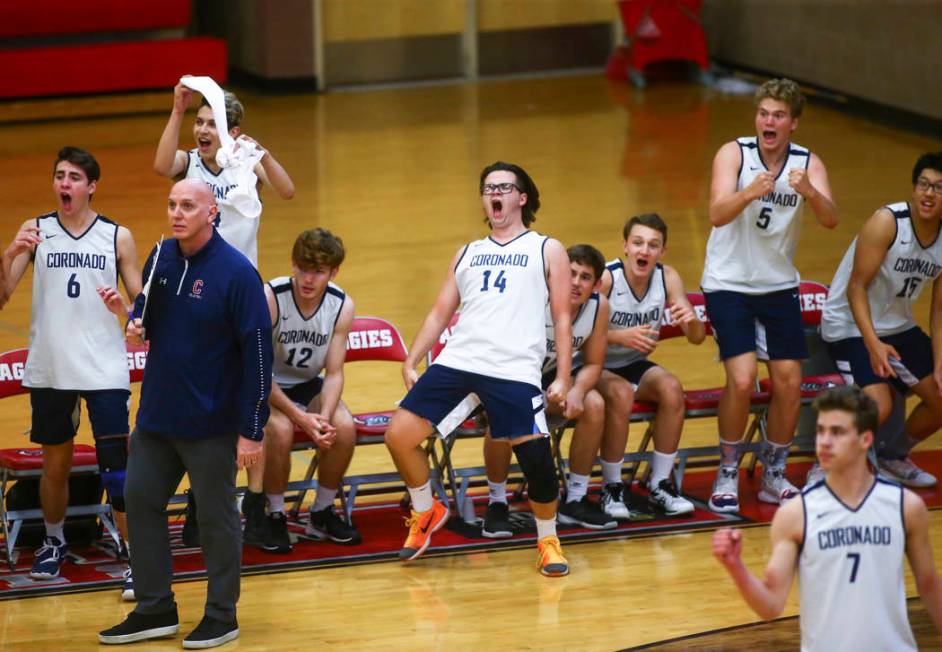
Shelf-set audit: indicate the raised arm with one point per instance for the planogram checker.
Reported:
(766, 596)
(726, 202)
(558, 278)
(919, 553)
(18, 255)
(681, 311)
(169, 161)
(874, 239)
(270, 172)
(435, 322)
(812, 184)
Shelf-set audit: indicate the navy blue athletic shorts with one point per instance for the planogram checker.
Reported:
(769, 324)
(914, 346)
(303, 393)
(56, 413)
(513, 408)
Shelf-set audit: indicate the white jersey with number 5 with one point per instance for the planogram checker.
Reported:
(300, 343)
(850, 572)
(503, 295)
(75, 343)
(753, 254)
(907, 268)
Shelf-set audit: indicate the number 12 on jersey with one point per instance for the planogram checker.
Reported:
(500, 282)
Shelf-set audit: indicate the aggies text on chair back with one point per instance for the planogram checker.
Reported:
(12, 364)
(373, 338)
(812, 296)
(670, 329)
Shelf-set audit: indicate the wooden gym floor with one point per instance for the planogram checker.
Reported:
(395, 174)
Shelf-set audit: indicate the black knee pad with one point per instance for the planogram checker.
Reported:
(112, 456)
(535, 458)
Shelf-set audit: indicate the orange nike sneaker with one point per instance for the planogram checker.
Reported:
(552, 563)
(421, 526)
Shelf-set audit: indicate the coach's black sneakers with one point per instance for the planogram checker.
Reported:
(191, 529)
(497, 522)
(211, 633)
(326, 524)
(585, 513)
(255, 533)
(277, 540)
(140, 627)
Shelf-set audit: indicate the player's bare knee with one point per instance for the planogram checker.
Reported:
(671, 394)
(593, 407)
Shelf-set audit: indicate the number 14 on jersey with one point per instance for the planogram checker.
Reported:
(500, 282)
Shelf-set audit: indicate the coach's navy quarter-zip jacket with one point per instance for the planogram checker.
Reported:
(209, 368)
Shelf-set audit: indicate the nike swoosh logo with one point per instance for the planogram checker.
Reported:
(823, 514)
(905, 243)
(425, 528)
(753, 168)
(618, 294)
(285, 317)
(49, 237)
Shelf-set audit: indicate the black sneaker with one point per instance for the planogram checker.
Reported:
(191, 528)
(211, 633)
(255, 532)
(497, 522)
(276, 534)
(585, 513)
(140, 627)
(326, 524)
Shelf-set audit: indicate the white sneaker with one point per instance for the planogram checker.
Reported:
(612, 501)
(907, 473)
(725, 496)
(815, 475)
(665, 498)
(776, 489)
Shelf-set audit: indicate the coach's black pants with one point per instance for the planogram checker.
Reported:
(155, 467)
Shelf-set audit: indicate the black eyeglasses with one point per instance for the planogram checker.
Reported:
(924, 184)
(499, 188)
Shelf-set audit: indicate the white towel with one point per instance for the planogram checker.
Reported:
(243, 155)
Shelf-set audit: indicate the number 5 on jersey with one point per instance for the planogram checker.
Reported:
(500, 282)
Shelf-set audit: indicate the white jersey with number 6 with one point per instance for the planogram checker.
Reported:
(907, 268)
(300, 343)
(850, 572)
(753, 254)
(75, 343)
(503, 295)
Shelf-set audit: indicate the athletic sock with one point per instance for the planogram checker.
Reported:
(56, 530)
(421, 497)
(729, 452)
(496, 492)
(576, 487)
(545, 528)
(611, 472)
(774, 455)
(324, 499)
(661, 466)
(276, 503)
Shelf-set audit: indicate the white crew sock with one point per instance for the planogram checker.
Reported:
(421, 497)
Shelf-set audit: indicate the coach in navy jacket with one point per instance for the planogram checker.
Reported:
(203, 405)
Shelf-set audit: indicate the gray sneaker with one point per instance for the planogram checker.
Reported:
(907, 473)
(776, 489)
